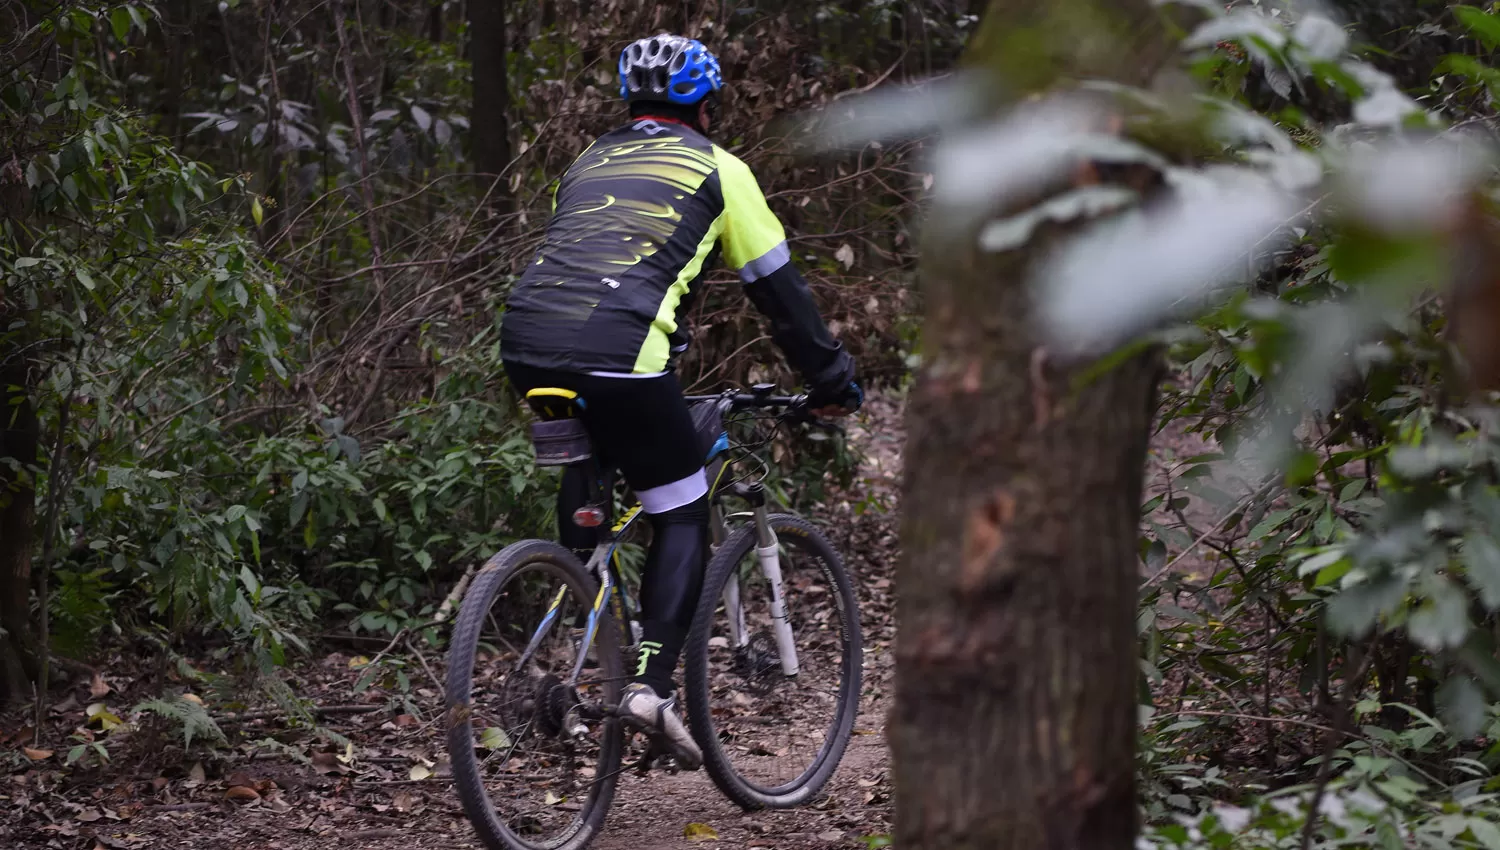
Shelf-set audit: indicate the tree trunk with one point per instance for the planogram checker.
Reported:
(489, 132)
(1015, 717)
(19, 435)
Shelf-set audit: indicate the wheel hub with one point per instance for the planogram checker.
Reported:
(758, 664)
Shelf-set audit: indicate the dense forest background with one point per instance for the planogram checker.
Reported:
(252, 255)
(254, 259)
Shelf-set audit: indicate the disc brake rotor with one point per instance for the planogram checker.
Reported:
(758, 664)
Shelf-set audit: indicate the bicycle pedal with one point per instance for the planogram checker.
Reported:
(643, 766)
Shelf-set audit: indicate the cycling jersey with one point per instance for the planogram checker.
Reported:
(637, 219)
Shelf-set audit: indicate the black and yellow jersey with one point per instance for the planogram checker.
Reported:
(637, 219)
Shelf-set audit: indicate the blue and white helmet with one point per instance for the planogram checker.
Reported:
(668, 68)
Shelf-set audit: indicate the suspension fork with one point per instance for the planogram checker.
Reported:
(739, 636)
(768, 554)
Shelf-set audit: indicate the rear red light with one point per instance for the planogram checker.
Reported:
(588, 517)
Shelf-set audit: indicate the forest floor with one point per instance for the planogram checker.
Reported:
(394, 790)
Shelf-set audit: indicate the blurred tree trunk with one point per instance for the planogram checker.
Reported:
(1015, 717)
(489, 131)
(19, 434)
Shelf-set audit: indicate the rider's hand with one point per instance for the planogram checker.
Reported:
(840, 401)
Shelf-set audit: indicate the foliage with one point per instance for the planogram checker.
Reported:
(255, 291)
(188, 714)
(1317, 624)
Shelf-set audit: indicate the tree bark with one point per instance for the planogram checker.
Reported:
(489, 131)
(19, 436)
(1015, 717)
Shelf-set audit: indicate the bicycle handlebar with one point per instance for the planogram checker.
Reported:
(741, 400)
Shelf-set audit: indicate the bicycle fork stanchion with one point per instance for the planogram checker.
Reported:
(739, 636)
(768, 552)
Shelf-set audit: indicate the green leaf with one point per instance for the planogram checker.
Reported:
(1482, 566)
(27, 262)
(250, 580)
(119, 21)
(257, 212)
(1355, 609)
(1320, 561)
(1482, 26)
(1442, 621)
(234, 513)
(1301, 469)
(1485, 833)
(84, 278)
(380, 509)
(1463, 706)
(1333, 572)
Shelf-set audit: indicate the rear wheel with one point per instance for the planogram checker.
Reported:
(771, 740)
(534, 758)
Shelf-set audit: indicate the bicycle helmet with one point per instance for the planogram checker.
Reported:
(668, 68)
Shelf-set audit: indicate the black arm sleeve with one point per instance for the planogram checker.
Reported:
(798, 330)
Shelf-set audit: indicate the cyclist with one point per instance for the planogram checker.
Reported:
(637, 218)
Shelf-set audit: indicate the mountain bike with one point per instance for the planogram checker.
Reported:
(772, 664)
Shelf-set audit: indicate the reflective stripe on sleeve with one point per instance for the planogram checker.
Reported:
(766, 263)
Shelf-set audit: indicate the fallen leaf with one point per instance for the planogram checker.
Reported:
(419, 772)
(831, 835)
(36, 755)
(196, 774)
(192, 697)
(357, 662)
(494, 738)
(107, 720)
(405, 720)
(402, 801)
(240, 777)
(88, 815)
(326, 763)
(551, 799)
(700, 832)
(98, 687)
(242, 794)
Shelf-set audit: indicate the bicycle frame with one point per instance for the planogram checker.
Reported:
(602, 563)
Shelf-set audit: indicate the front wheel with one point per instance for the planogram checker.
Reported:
(770, 739)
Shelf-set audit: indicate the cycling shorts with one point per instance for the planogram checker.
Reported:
(641, 426)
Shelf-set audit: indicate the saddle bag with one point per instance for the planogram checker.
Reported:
(560, 442)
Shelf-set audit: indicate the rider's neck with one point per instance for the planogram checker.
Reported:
(667, 119)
